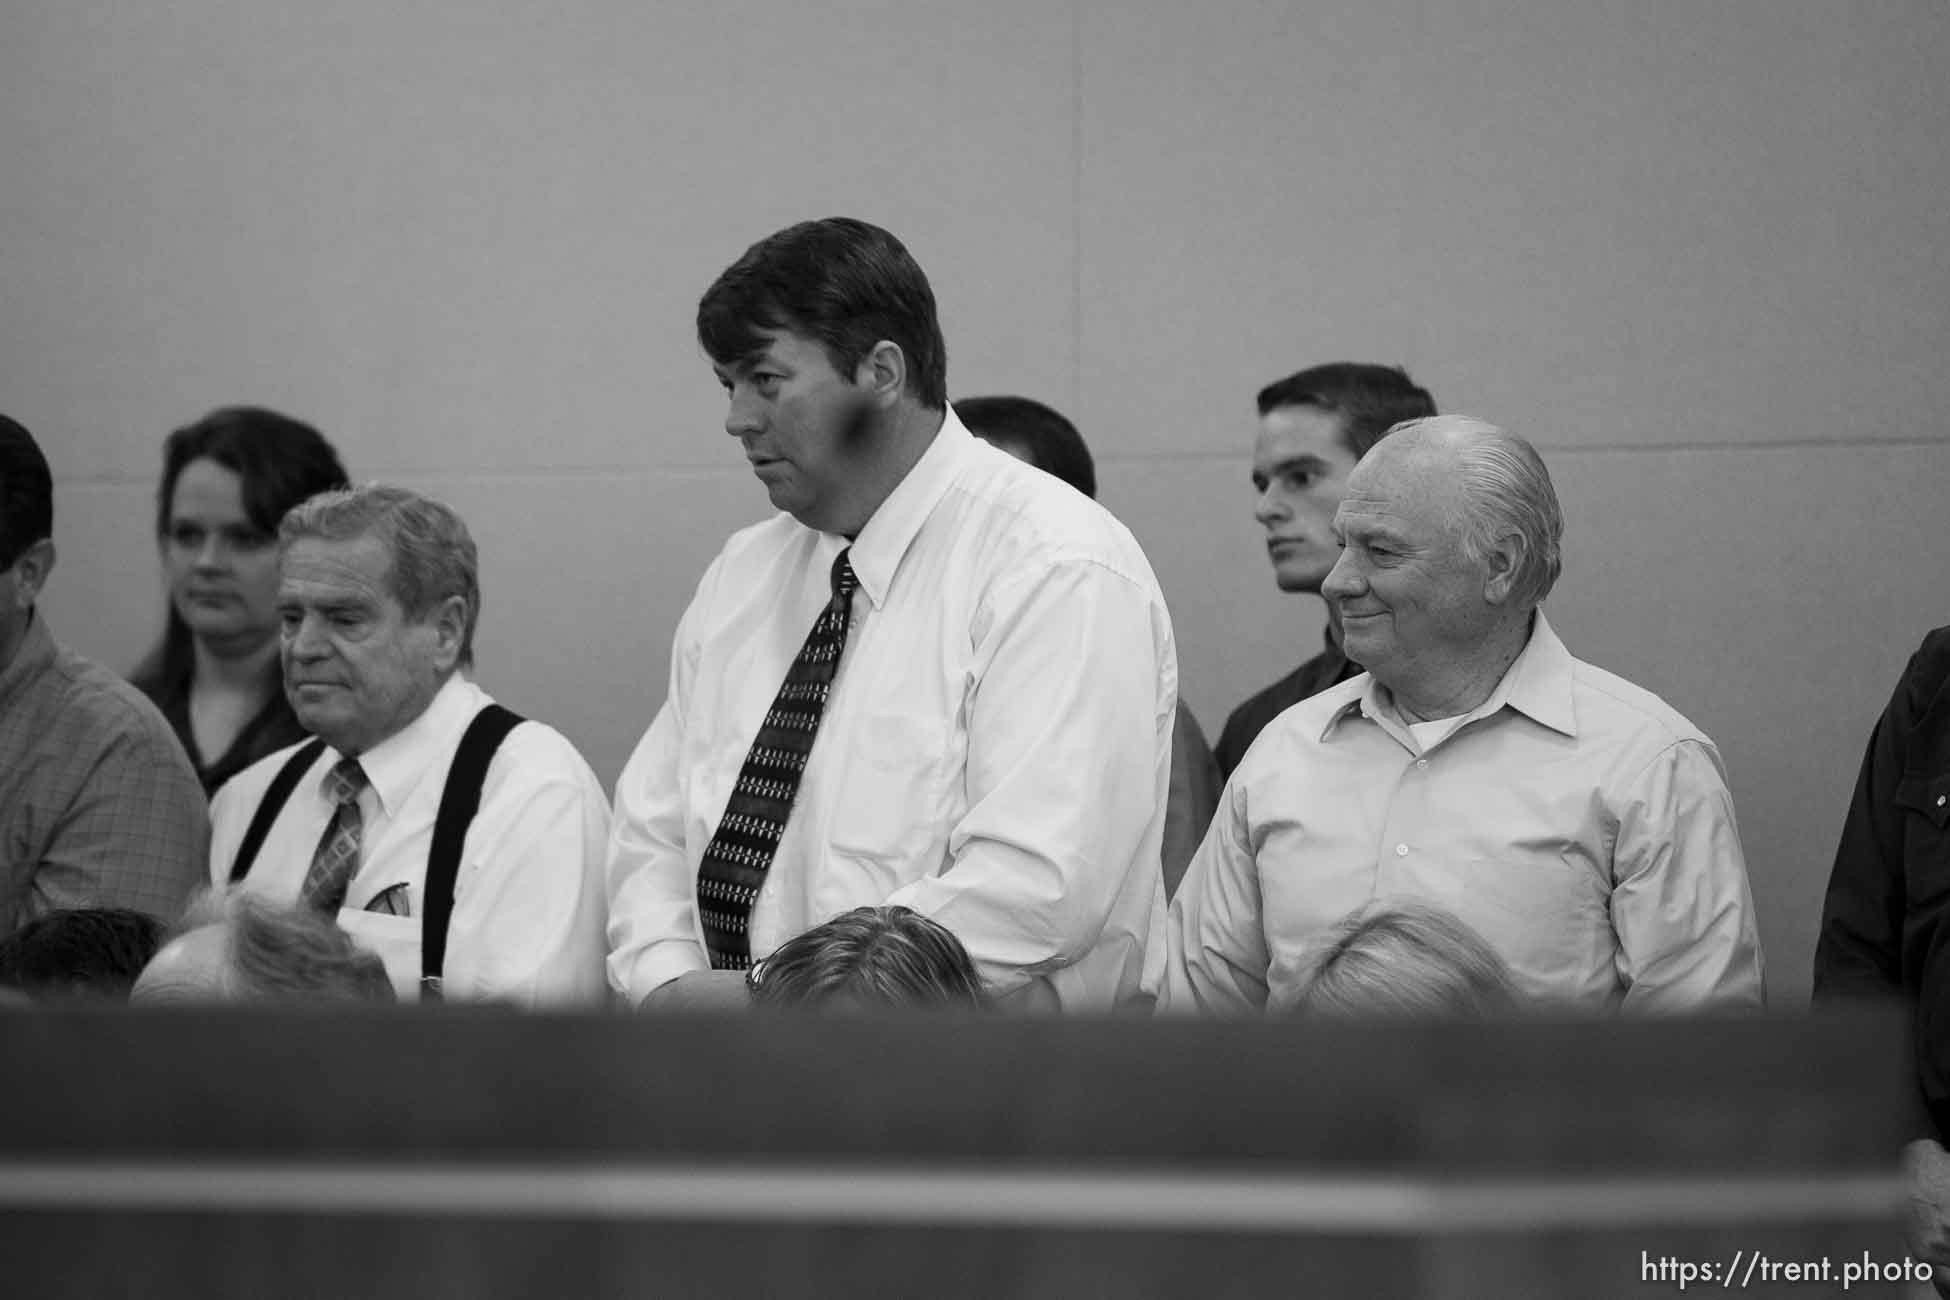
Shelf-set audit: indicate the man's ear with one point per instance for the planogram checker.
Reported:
(449, 621)
(1501, 567)
(31, 570)
(882, 373)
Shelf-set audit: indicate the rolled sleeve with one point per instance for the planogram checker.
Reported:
(1067, 769)
(1217, 958)
(652, 900)
(1681, 905)
(653, 931)
(528, 912)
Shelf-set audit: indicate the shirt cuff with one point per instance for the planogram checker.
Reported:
(654, 967)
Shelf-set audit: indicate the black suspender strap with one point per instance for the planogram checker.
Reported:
(458, 803)
(272, 804)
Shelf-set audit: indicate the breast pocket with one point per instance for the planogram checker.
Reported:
(1924, 801)
(897, 794)
(397, 941)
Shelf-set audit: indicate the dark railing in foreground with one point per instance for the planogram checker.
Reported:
(469, 1152)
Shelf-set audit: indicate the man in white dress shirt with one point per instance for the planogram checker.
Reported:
(379, 595)
(1575, 821)
(978, 723)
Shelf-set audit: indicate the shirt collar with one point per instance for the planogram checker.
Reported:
(878, 550)
(1349, 707)
(32, 657)
(1538, 684)
(397, 764)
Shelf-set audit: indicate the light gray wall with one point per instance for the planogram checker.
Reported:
(1699, 253)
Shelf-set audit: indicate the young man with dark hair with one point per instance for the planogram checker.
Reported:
(99, 806)
(977, 726)
(1314, 426)
(1033, 432)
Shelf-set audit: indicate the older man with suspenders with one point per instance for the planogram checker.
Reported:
(462, 843)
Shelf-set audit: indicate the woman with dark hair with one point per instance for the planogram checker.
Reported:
(227, 480)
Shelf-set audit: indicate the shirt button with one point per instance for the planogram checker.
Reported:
(1422, 762)
(1941, 799)
(1401, 850)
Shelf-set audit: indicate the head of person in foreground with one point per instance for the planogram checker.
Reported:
(870, 958)
(1401, 960)
(234, 946)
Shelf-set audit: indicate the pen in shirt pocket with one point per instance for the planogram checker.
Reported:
(391, 901)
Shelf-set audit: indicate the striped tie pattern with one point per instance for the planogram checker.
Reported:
(735, 862)
(336, 859)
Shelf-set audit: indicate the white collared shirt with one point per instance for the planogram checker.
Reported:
(527, 923)
(994, 753)
(1576, 822)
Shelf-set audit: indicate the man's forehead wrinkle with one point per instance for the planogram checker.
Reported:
(1379, 514)
(331, 577)
(1366, 524)
(1406, 481)
(1366, 496)
(335, 581)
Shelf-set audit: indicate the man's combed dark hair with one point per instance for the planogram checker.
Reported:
(840, 282)
(26, 492)
(1053, 443)
(876, 956)
(1370, 400)
(83, 951)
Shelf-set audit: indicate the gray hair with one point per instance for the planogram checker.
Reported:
(273, 953)
(433, 554)
(1507, 492)
(1401, 959)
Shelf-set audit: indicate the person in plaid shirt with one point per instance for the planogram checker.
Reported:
(99, 806)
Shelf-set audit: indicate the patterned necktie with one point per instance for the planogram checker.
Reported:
(336, 859)
(736, 860)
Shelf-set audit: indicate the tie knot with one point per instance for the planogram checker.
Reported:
(344, 782)
(845, 581)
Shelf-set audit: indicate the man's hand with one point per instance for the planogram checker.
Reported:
(704, 990)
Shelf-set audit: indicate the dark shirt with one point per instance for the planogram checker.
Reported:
(1883, 931)
(1328, 668)
(1195, 786)
(274, 727)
